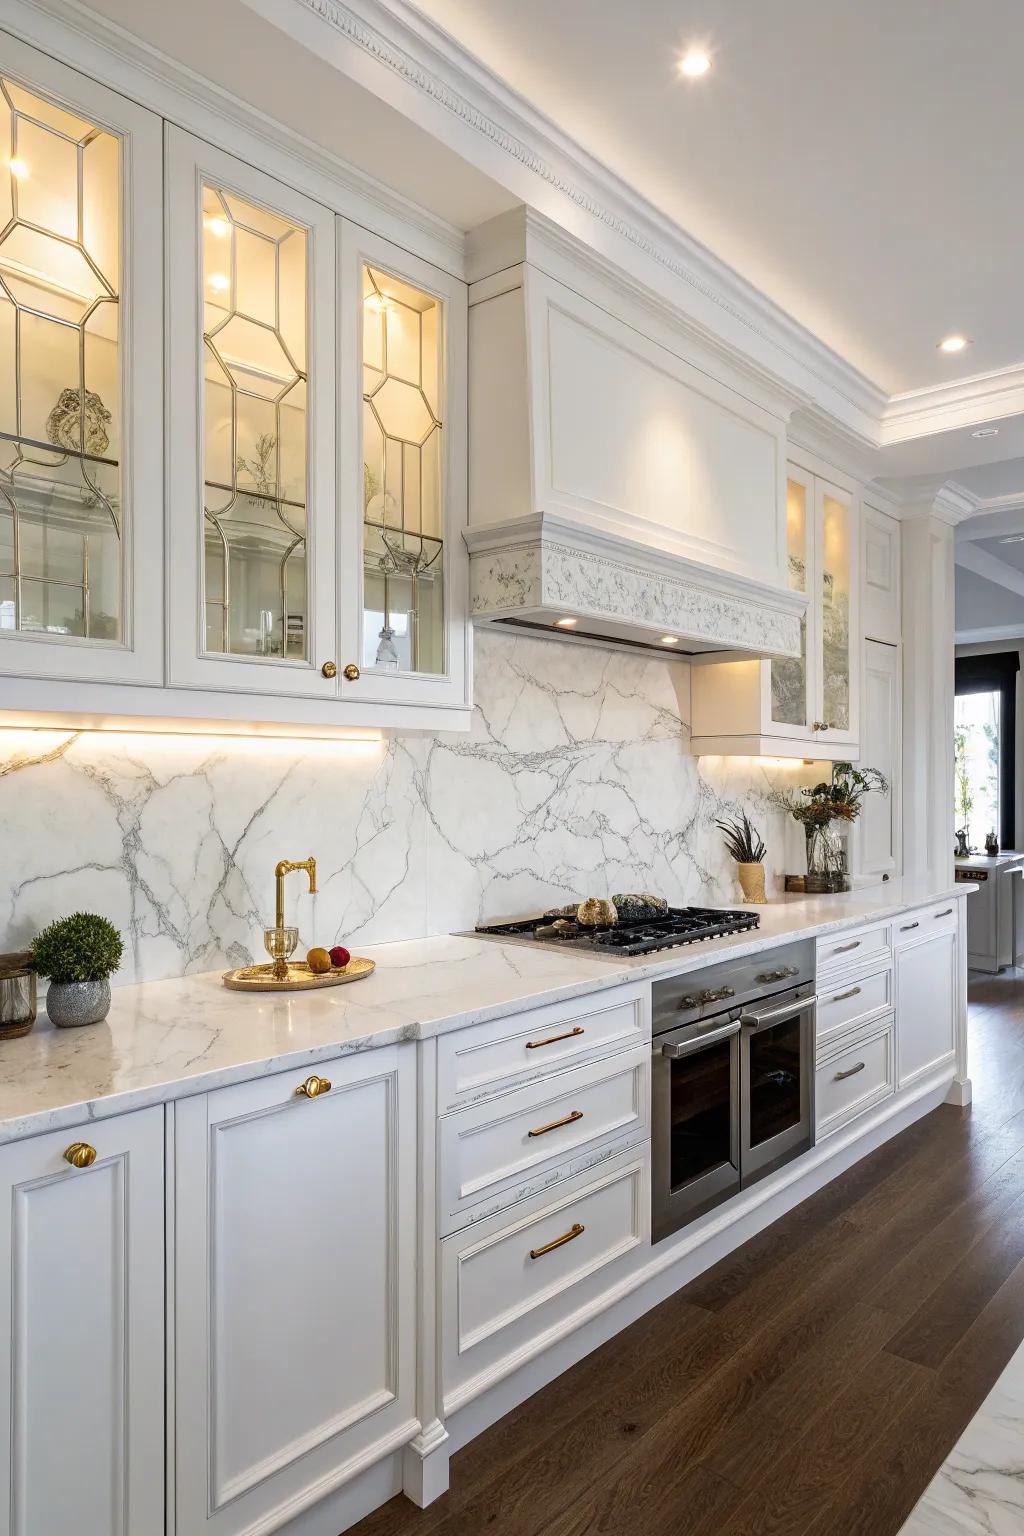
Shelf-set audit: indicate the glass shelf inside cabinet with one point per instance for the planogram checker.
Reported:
(61, 535)
(403, 494)
(789, 673)
(255, 430)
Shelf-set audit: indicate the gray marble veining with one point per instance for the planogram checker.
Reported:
(576, 779)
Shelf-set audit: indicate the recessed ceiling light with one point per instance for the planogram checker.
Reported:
(986, 432)
(670, 640)
(220, 281)
(566, 623)
(19, 168)
(694, 63)
(953, 343)
(1013, 538)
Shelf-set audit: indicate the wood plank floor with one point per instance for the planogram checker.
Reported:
(812, 1382)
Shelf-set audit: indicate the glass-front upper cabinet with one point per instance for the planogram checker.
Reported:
(403, 449)
(80, 377)
(253, 597)
(791, 677)
(836, 554)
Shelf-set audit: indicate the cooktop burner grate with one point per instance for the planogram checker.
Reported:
(679, 925)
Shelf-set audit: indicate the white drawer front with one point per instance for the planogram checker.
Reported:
(513, 1285)
(489, 1058)
(496, 1152)
(851, 1002)
(924, 923)
(840, 951)
(854, 1079)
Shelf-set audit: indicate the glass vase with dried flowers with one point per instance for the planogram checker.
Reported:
(826, 811)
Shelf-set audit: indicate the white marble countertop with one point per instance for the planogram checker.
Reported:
(984, 861)
(166, 1039)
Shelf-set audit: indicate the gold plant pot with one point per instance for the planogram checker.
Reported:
(751, 878)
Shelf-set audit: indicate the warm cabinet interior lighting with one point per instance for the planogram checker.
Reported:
(220, 281)
(19, 168)
(565, 623)
(219, 227)
(32, 741)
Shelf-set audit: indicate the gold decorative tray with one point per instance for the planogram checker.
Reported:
(260, 978)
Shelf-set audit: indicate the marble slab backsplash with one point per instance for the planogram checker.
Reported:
(576, 779)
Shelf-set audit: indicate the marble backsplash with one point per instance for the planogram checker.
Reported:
(576, 779)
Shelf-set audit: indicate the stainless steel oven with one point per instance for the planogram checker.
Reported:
(732, 1079)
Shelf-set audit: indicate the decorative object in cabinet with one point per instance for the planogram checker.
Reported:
(80, 376)
(403, 494)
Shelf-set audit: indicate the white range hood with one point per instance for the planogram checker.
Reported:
(541, 570)
(616, 482)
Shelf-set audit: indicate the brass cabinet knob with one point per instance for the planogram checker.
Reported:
(80, 1154)
(351, 672)
(313, 1087)
(329, 669)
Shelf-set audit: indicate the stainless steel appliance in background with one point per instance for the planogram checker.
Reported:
(732, 1079)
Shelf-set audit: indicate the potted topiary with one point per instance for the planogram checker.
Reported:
(79, 954)
(746, 847)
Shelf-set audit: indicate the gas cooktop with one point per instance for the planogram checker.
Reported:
(677, 925)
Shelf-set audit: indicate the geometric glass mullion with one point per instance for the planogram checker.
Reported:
(60, 371)
(403, 545)
(255, 430)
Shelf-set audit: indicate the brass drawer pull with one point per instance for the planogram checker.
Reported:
(80, 1154)
(850, 1072)
(906, 927)
(542, 1130)
(313, 1087)
(575, 1230)
(841, 997)
(948, 913)
(329, 669)
(535, 1045)
(842, 949)
(351, 673)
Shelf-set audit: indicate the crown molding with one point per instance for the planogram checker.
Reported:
(962, 402)
(69, 31)
(997, 633)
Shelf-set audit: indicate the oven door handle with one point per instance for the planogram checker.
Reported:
(764, 1019)
(676, 1048)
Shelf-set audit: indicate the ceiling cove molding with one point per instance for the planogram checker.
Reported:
(428, 60)
(966, 402)
(998, 632)
(79, 37)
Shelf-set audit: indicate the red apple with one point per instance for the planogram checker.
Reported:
(340, 957)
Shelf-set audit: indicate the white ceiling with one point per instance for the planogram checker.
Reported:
(857, 162)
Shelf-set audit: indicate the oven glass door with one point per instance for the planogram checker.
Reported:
(696, 1152)
(777, 1081)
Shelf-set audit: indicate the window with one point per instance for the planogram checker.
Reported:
(976, 742)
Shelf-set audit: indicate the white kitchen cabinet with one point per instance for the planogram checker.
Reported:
(875, 837)
(295, 1236)
(82, 1318)
(881, 609)
(805, 706)
(925, 993)
(81, 378)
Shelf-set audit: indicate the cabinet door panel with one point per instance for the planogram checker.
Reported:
(876, 836)
(295, 1350)
(791, 679)
(837, 593)
(81, 1302)
(251, 402)
(925, 1006)
(81, 462)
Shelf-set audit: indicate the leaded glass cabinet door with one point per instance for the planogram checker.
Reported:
(837, 580)
(81, 377)
(251, 397)
(402, 475)
(791, 680)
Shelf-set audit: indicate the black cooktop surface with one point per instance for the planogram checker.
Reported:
(678, 925)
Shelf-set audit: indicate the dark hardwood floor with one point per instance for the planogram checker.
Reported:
(812, 1382)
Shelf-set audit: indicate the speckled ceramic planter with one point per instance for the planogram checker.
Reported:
(70, 1003)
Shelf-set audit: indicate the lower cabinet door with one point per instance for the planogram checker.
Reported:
(294, 1294)
(925, 1006)
(82, 1314)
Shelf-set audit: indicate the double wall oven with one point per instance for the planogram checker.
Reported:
(732, 1079)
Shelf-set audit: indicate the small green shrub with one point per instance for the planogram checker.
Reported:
(82, 947)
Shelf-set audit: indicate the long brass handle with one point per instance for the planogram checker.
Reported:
(576, 1230)
(80, 1154)
(542, 1130)
(850, 1072)
(948, 913)
(313, 1087)
(535, 1045)
(840, 997)
(842, 949)
(906, 927)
